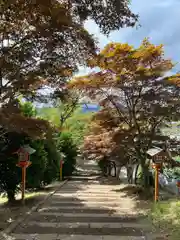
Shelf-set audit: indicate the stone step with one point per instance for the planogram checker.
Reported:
(84, 178)
(72, 237)
(100, 191)
(87, 224)
(103, 215)
(93, 180)
(82, 209)
(121, 231)
(85, 200)
(88, 190)
(75, 210)
(96, 191)
(69, 217)
(66, 199)
(89, 196)
(82, 203)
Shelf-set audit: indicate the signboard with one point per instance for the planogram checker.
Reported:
(22, 154)
(154, 151)
(158, 159)
(28, 149)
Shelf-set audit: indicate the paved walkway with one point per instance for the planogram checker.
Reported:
(84, 210)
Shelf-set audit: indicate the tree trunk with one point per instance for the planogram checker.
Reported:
(11, 196)
(113, 167)
(130, 174)
(135, 173)
(118, 171)
(145, 175)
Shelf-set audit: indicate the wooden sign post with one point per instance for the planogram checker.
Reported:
(178, 187)
(61, 166)
(156, 190)
(24, 163)
(61, 169)
(158, 155)
(157, 165)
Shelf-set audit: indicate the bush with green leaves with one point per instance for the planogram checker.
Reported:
(52, 169)
(67, 147)
(44, 162)
(39, 159)
(10, 176)
(172, 172)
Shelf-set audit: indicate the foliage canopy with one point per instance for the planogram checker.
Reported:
(138, 97)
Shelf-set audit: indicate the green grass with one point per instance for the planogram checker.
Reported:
(177, 158)
(27, 196)
(165, 217)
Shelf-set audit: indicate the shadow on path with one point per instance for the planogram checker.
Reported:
(84, 208)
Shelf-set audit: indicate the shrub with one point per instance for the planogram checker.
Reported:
(52, 170)
(69, 149)
(35, 173)
(10, 176)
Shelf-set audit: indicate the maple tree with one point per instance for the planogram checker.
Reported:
(13, 119)
(106, 140)
(133, 82)
(43, 42)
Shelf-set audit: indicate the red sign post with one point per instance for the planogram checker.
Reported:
(157, 167)
(178, 186)
(23, 164)
(61, 168)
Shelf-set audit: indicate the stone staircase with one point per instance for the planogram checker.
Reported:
(84, 210)
(85, 169)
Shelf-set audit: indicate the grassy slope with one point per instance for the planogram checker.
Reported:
(51, 114)
(77, 124)
(165, 216)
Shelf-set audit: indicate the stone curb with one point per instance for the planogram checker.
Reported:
(13, 225)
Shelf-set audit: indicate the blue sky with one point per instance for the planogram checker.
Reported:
(159, 21)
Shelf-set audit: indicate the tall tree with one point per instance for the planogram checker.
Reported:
(78, 125)
(132, 82)
(43, 42)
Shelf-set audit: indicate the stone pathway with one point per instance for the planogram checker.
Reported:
(84, 210)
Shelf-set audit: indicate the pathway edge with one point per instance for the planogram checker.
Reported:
(13, 225)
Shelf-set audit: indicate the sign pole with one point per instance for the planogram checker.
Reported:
(61, 177)
(23, 153)
(23, 182)
(156, 195)
(178, 187)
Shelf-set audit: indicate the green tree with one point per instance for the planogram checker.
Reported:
(68, 148)
(78, 125)
(45, 161)
(42, 160)
(10, 176)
